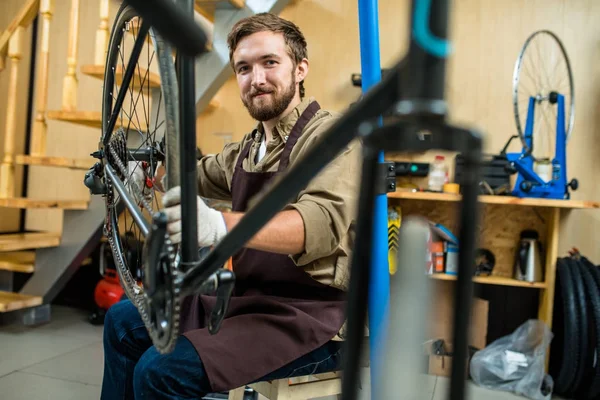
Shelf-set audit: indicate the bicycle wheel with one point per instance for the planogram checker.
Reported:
(145, 134)
(541, 71)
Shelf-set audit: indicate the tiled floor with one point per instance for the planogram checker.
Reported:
(63, 360)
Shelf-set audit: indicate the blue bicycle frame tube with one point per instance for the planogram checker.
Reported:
(379, 291)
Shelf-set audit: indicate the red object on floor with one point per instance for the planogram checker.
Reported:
(108, 291)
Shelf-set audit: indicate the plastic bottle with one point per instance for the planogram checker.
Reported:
(438, 174)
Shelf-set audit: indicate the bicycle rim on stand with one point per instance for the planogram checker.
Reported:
(541, 72)
(145, 136)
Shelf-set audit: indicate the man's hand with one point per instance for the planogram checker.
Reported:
(211, 225)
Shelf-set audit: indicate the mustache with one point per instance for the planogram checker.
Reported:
(259, 92)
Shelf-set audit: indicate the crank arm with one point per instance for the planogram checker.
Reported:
(154, 254)
(225, 280)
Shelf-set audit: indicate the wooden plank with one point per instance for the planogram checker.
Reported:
(71, 163)
(26, 203)
(502, 200)
(18, 261)
(493, 280)
(92, 119)
(15, 301)
(97, 71)
(25, 16)
(315, 389)
(29, 240)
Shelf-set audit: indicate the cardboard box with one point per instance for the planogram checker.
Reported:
(441, 317)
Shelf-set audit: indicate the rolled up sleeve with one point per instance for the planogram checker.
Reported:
(328, 205)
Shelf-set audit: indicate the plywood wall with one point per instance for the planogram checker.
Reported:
(10, 218)
(487, 36)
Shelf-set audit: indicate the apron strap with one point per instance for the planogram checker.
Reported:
(243, 154)
(296, 132)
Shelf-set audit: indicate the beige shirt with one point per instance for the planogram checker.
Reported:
(328, 205)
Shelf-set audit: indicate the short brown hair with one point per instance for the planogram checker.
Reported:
(294, 39)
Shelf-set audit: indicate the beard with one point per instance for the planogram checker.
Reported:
(267, 110)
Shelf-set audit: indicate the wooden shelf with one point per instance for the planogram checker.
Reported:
(493, 280)
(29, 240)
(18, 261)
(21, 202)
(97, 71)
(92, 119)
(14, 301)
(62, 162)
(486, 199)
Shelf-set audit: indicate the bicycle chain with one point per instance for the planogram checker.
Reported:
(117, 151)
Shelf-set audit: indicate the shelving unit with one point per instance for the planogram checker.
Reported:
(502, 218)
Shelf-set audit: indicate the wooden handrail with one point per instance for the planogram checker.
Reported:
(23, 19)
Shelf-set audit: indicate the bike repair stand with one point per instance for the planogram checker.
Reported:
(529, 183)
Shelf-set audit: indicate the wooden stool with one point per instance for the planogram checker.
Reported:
(300, 388)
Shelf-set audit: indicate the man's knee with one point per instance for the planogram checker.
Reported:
(120, 318)
(148, 375)
(179, 373)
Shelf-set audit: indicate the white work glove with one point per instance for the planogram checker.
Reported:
(138, 175)
(211, 225)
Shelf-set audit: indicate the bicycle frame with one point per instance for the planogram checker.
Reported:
(414, 90)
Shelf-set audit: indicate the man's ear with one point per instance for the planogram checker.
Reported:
(301, 70)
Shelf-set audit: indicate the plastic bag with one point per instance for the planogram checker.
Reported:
(516, 363)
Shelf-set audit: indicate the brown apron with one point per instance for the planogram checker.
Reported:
(277, 314)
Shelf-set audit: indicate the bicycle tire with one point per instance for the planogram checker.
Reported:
(168, 307)
(170, 97)
(563, 354)
(592, 278)
(582, 337)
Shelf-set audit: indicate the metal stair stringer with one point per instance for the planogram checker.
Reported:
(212, 68)
(54, 266)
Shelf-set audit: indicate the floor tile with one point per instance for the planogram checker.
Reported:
(21, 350)
(65, 321)
(22, 386)
(474, 392)
(85, 365)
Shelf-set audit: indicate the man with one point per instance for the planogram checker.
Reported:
(289, 300)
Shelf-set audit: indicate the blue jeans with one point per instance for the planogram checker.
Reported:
(133, 368)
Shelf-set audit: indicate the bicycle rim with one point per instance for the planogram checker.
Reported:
(541, 68)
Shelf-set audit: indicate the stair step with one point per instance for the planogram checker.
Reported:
(97, 71)
(18, 261)
(72, 163)
(22, 202)
(28, 240)
(207, 7)
(92, 119)
(10, 301)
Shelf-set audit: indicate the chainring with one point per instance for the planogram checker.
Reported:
(161, 311)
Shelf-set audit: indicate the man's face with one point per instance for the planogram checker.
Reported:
(266, 74)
